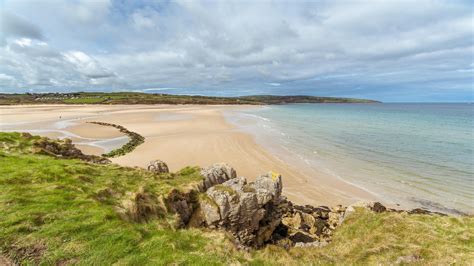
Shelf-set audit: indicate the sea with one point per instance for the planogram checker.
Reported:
(417, 155)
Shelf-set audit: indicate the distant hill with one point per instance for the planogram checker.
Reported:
(145, 98)
(274, 99)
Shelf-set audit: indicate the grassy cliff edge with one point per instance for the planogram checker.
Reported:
(68, 211)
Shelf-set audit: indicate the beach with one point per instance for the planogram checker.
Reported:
(180, 135)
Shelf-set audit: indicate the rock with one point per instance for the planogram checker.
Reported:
(316, 244)
(180, 203)
(65, 149)
(300, 237)
(322, 212)
(316, 223)
(373, 206)
(349, 211)
(210, 210)
(216, 174)
(334, 220)
(338, 208)
(419, 211)
(158, 167)
(250, 212)
(293, 221)
(378, 207)
(256, 213)
(269, 187)
(407, 259)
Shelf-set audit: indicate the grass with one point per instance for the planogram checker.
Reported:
(84, 100)
(146, 98)
(56, 211)
(51, 213)
(368, 238)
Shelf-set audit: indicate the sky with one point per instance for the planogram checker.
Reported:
(390, 50)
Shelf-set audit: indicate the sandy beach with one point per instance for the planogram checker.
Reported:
(180, 136)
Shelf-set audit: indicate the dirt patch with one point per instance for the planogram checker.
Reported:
(27, 253)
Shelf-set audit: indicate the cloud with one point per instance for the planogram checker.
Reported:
(6, 80)
(86, 65)
(233, 47)
(274, 84)
(30, 64)
(14, 26)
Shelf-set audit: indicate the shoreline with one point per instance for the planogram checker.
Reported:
(190, 135)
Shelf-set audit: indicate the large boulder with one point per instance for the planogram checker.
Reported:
(216, 174)
(249, 211)
(158, 167)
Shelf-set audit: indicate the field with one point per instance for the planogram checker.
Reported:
(144, 98)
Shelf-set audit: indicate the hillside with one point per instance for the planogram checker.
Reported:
(56, 210)
(145, 98)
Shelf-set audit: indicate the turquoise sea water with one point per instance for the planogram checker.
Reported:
(417, 155)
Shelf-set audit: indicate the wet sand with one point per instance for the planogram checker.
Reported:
(180, 136)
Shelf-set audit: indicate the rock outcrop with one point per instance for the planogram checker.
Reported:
(306, 226)
(216, 174)
(158, 167)
(254, 213)
(135, 140)
(249, 211)
(65, 149)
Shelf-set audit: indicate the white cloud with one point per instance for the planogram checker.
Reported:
(6, 80)
(87, 65)
(23, 42)
(273, 84)
(319, 46)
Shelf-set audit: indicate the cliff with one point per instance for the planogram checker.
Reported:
(59, 207)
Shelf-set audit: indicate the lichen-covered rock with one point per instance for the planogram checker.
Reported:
(216, 174)
(158, 167)
(268, 187)
(249, 211)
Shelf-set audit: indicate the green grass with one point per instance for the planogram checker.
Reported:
(146, 98)
(52, 205)
(84, 100)
(368, 238)
(61, 210)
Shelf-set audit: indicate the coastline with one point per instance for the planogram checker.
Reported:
(187, 135)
